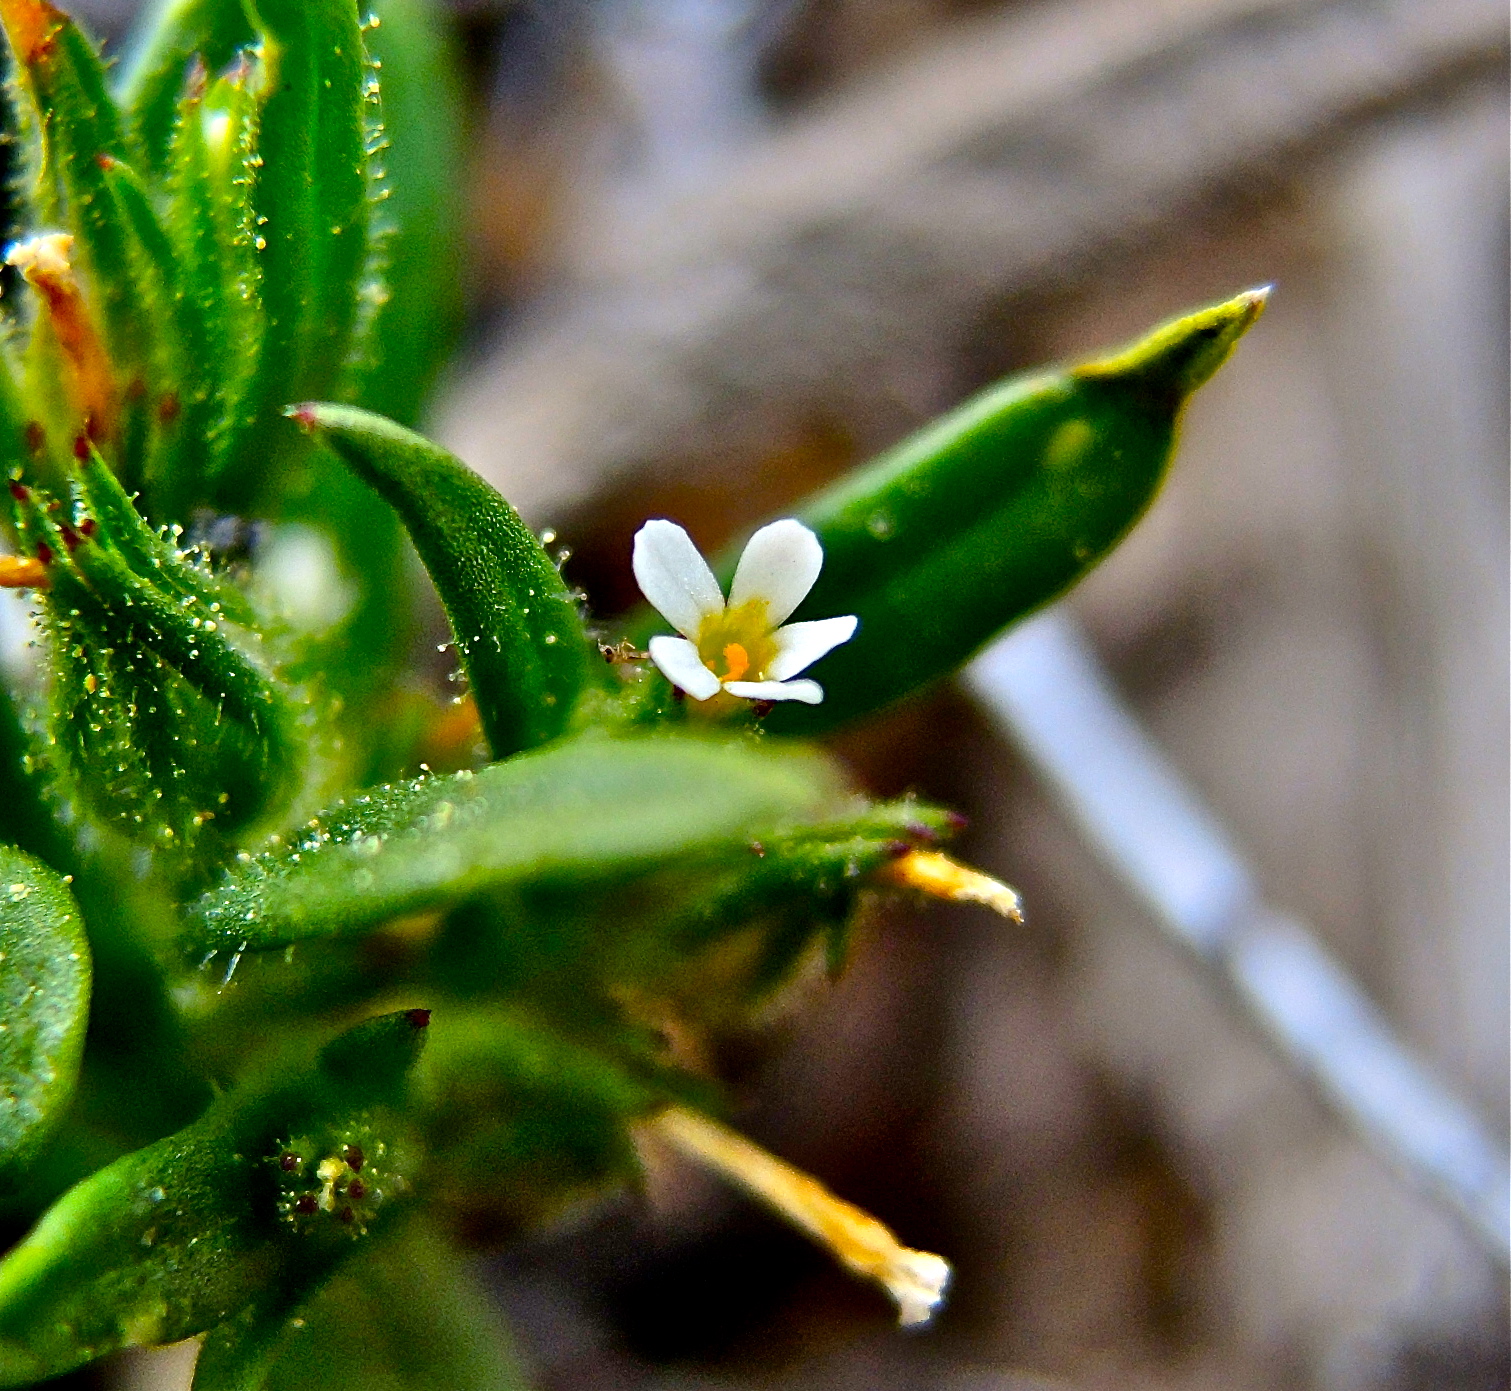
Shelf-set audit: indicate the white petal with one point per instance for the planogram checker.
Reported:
(800, 645)
(674, 577)
(780, 564)
(809, 692)
(681, 665)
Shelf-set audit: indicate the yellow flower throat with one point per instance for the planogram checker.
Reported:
(736, 644)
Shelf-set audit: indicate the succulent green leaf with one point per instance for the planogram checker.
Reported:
(26, 819)
(410, 1318)
(169, 728)
(44, 1001)
(172, 414)
(183, 639)
(424, 126)
(519, 1118)
(152, 78)
(371, 1061)
(589, 809)
(710, 932)
(122, 529)
(994, 510)
(246, 1206)
(14, 445)
(212, 222)
(804, 882)
(313, 212)
(516, 623)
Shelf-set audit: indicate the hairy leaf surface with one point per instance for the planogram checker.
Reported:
(592, 808)
(44, 1003)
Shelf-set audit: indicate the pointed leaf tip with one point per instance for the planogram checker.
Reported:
(1182, 354)
(373, 1058)
(516, 622)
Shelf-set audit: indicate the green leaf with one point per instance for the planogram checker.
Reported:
(212, 223)
(176, 417)
(371, 1061)
(44, 1001)
(122, 529)
(169, 728)
(804, 881)
(994, 510)
(582, 811)
(152, 76)
(520, 1119)
(708, 933)
(14, 416)
(26, 819)
(424, 126)
(314, 217)
(248, 1205)
(409, 1318)
(516, 623)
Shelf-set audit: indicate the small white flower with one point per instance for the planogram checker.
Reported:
(739, 646)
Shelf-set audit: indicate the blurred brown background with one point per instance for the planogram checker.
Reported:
(726, 248)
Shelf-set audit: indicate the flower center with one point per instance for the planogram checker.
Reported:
(736, 644)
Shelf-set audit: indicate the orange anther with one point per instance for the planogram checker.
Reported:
(737, 659)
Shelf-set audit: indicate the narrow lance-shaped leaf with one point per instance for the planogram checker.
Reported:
(424, 128)
(516, 624)
(123, 529)
(156, 279)
(251, 1206)
(585, 810)
(707, 931)
(44, 1001)
(994, 510)
(15, 446)
(170, 415)
(314, 218)
(175, 33)
(212, 223)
